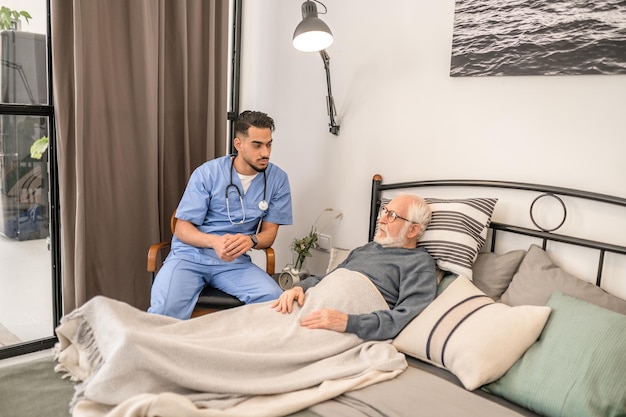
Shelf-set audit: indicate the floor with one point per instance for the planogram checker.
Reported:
(26, 358)
(26, 288)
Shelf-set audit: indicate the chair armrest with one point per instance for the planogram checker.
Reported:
(152, 255)
(270, 261)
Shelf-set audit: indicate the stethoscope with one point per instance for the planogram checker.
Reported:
(263, 205)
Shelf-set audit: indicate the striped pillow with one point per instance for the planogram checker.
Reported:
(457, 231)
(466, 332)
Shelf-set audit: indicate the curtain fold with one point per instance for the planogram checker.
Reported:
(140, 101)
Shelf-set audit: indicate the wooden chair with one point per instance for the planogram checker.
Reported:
(211, 299)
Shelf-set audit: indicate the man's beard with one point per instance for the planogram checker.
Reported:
(390, 241)
(259, 169)
(252, 164)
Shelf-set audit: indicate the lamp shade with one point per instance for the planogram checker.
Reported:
(311, 34)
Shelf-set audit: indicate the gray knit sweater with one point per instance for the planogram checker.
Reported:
(406, 279)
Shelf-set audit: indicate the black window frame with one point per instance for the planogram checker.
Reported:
(55, 238)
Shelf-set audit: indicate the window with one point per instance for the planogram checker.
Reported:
(29, 250)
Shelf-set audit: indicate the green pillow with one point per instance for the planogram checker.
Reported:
(445, 281)
(576, 368)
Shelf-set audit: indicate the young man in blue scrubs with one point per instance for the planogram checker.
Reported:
(231, 205)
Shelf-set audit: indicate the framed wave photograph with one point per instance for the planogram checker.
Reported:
(554, 37)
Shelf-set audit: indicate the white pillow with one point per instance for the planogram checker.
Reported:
(466, 332)
(337, 256)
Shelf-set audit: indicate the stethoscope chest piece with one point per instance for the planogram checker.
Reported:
(263, 205)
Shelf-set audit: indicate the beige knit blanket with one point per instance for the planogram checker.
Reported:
(247, 361)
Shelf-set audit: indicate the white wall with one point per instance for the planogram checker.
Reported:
(404, 117)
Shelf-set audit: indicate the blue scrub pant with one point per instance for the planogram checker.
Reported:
(178, 284)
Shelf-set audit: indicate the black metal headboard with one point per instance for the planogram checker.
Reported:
(544, 234)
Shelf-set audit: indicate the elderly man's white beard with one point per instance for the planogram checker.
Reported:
(391, 241)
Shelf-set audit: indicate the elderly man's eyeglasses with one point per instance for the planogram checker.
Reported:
(392, 215)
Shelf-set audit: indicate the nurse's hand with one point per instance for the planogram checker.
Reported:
(230, 247)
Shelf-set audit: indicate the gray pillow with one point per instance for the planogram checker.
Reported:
(493, 272)
(538, 277)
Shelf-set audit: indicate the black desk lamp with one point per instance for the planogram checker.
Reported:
(312, 35)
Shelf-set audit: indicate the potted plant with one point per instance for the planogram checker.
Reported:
(302, 248)
(10, 19)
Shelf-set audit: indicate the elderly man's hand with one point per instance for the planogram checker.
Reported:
(326, 319)
(284, 303)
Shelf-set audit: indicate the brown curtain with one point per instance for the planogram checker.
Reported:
(140, 101)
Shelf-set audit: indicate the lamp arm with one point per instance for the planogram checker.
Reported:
(330, 102)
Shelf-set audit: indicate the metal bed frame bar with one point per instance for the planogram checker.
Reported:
(378, 187)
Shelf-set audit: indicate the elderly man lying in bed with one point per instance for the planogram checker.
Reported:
(404, 275)
(252, 360)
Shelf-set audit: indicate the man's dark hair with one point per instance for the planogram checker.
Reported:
(252, 118)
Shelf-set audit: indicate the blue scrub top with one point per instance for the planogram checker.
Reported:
(204, 204)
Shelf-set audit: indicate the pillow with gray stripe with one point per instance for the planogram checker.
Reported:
(467, 333)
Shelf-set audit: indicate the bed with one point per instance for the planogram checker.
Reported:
(523, 324)
(517, 255)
